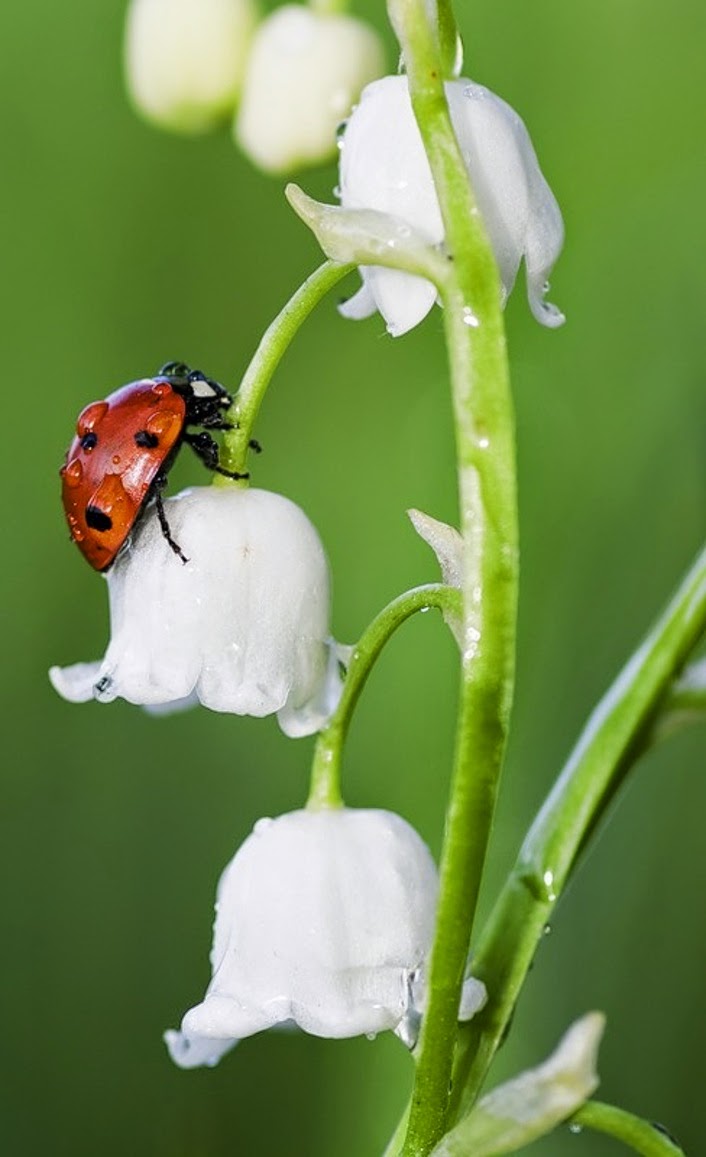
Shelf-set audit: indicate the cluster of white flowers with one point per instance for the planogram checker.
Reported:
(324, 918)
(289, 79)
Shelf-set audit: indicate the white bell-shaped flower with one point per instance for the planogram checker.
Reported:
(384, 167)
(305, 72)
(324, 919)
(185, 59)
(243, 626)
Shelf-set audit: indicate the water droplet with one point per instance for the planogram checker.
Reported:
(262, 825)
(371, 1036)
(72, 474)
(116, 459)
(548, 880)
(469, 317)
(547, 929)
(423, 610)
(540, 887)
(337, 192)
(574, 1128)
(483, 443)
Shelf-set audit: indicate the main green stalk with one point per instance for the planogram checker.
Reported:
(488, 516)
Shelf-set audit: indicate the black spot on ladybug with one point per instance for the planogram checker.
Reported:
(97, 519)
(89, 441)
(146, 440)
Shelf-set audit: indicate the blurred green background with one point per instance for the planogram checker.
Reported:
(122, 248)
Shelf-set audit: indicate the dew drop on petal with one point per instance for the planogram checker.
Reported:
(574, 1128)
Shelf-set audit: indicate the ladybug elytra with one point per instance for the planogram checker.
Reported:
(123, 450)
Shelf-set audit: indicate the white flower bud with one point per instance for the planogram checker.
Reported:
(305, 72)
(242, 627)
(324, 919)
(185, 59)
(384, 167)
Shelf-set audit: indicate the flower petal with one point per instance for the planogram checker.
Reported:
(190, 1052)
(403, 299)
(362, 304)
(75, 683)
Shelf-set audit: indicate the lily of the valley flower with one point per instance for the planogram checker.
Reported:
(185, 59)
(242, 627)
(384, 167)
(324, 920)
(305, 72)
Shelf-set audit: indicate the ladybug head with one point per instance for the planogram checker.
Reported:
(193, 383)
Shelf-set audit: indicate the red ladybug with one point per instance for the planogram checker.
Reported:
(123, 449)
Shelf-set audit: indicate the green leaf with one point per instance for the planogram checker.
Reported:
(532, 1104)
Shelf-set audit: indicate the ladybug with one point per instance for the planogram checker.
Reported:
(123, 450)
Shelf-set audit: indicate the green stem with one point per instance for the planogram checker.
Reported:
(326, 768)
(485, 447)
(641, 1136)
(266, 358)
(618, 730)
(449, 44)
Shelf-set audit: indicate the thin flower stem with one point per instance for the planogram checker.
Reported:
(619, 730)
(266, 358)
(326, 768)
(639, 1135)
(485, 448)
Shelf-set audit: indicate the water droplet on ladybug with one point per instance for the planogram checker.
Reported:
(89, 418)
(162, 423)
(72, 473)
(116, 459)
(161, 389)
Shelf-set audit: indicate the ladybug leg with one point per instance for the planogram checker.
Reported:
(161, 482)
(206, 449)
(216, 422)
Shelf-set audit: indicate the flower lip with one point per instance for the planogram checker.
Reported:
(242, 628)
(384, 167)
(324, 919)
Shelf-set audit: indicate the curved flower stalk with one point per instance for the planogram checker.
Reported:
(323, 919)
(185, 59)
(305, 72)
(243, 627)
(384, 167)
